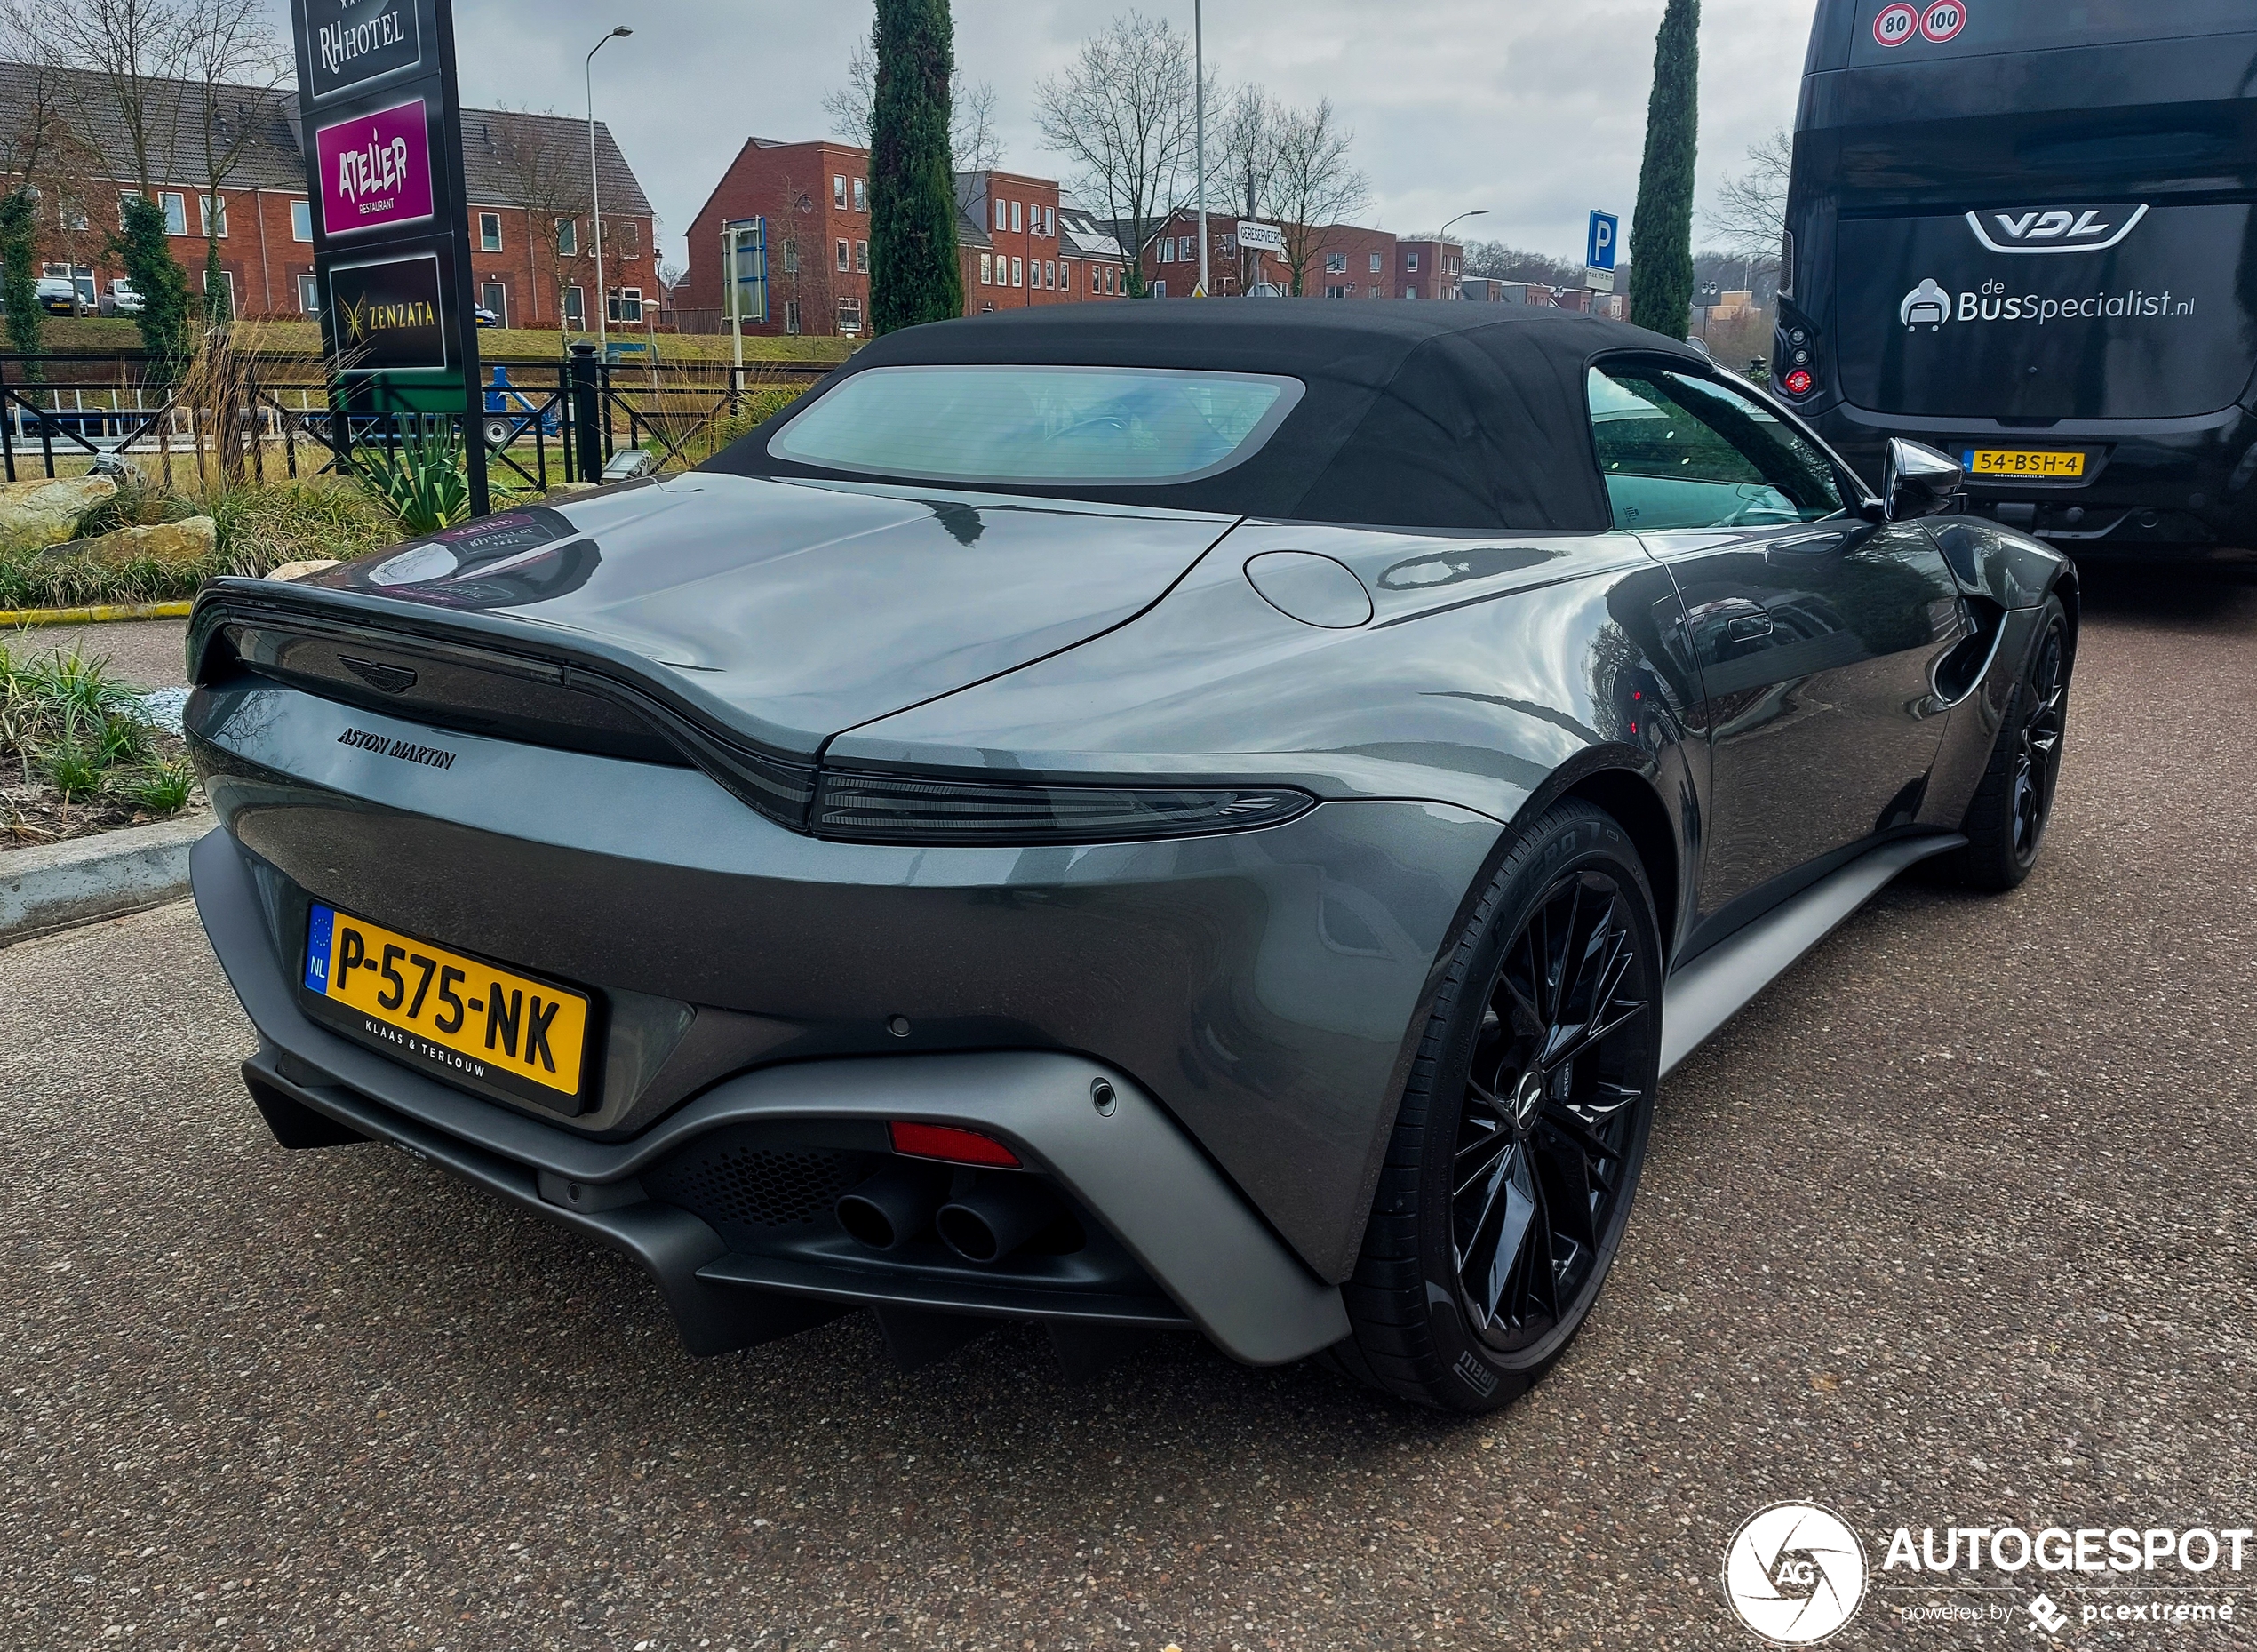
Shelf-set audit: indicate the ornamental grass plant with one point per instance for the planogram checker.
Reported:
(78, 752)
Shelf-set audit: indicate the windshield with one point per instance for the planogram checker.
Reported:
(1089, 425)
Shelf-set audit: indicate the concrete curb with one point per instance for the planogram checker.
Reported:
(107, 875)
(100, 613)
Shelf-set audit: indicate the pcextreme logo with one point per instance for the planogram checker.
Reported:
(1795, 1573)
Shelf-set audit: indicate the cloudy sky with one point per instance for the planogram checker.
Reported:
(1533, 109)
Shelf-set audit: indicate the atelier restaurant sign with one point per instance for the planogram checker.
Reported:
(383, 125)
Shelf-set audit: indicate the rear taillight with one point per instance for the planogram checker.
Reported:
(1797, 382)
(948, 1143)
(888, 809)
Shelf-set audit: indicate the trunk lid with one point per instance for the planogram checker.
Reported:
(783, 611)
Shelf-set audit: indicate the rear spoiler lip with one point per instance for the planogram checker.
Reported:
(770, 767)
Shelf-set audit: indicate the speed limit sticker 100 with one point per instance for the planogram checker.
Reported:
(1943, 19)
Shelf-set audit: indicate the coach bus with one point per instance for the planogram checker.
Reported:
(2025, 232)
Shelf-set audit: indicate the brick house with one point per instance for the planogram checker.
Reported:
(1342, 260)
(1429, 269)
(1020, 240)
(526, 177)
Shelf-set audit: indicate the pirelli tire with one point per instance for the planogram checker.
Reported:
(1515, 1156)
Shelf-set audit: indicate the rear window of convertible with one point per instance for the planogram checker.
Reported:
(1092, 426)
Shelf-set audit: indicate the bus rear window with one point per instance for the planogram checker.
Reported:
(1911, 31)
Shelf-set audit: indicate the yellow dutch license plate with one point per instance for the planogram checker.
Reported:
(457, 1015)
(2043, 464)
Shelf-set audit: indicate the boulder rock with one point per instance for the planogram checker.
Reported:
(175, 543)
(300, 570)
(50, 502)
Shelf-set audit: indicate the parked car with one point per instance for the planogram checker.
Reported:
(120, 299)
(484, 317)
(58, 295)
(1157, 816)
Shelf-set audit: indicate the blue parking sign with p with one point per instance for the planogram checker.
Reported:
(1606, 230)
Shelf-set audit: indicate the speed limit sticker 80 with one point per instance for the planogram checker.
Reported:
(1940, 22)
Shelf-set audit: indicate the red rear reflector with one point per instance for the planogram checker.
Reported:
(945, 1141)
(1798, 382)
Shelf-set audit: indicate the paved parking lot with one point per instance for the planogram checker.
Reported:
(1950, 1228)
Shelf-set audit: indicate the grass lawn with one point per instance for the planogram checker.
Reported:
(96, 335)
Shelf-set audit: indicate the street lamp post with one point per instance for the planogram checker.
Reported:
(1199, 105)
(595, 189)
(1443, 233)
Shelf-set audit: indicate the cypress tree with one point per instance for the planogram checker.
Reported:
(1661, 236)
(18, 286)
(914, 275)
(164, 286)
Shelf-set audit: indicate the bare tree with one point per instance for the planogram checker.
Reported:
(1242, 163)
(1122, 113)
(544, 158)
(231, 64)
(1313, 188)
(1750, 217)
(972, 143)
(135, 51)
(1499, 262)
(972, 139)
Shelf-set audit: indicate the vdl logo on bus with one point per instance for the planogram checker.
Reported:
(2056, 229)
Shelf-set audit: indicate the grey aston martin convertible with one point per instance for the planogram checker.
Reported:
(1169, 816)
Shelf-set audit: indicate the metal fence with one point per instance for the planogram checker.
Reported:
(544, 422)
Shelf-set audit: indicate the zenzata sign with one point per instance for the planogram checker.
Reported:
(356, 43)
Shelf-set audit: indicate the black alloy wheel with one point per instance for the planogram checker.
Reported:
(2037, 749)
(2014, 803)
(1516, 1150)
(1552, 1111)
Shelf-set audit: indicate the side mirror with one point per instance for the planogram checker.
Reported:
(1918, 480)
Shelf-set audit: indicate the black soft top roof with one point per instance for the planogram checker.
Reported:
(1426, 416)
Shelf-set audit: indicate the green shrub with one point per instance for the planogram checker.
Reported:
(162, 789)
(263, 526)
(73, 768)
(421, 478)
(124, 739)
(137, 503)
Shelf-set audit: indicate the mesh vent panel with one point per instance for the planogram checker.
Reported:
(731, 1184)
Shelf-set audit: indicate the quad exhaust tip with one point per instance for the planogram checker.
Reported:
(995, 1218)
(893, 1206)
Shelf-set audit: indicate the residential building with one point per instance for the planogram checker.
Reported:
(1429, 269)
(526, 179)
(1021, 240)
(1338, 260)
(816, 198)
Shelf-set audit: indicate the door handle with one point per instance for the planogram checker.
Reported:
(1747, 627)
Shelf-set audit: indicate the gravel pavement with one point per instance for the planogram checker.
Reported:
(1951, 1227)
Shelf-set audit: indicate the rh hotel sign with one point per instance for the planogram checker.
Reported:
(362, 40)
(391, 256)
